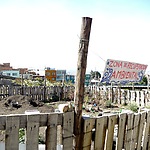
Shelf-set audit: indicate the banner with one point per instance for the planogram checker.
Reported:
(123, 72)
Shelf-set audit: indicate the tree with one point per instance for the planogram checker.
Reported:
(144, 80)
(95, 75)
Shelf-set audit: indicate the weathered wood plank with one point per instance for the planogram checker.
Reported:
(146, 132)
(87, 133)
(68, 127)
(141, 128)
(112, 120)
(2, 122)
(135, 130)
(32, 132)
(12, 133)
(51, 132)
(128, 138)
(23, 120)
(121, 130)
(100, 132)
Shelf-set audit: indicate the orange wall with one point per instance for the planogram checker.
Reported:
(50, 75)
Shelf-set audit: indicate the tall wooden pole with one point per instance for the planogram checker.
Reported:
(80, 77)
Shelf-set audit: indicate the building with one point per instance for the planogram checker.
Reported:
(70, 78)
(23, 70)
(13, 73)
(60, 75)
(7, 70)
(50, 74)
(27, 76)
(5, 66)
(87, 79)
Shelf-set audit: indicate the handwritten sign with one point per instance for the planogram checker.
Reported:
(123, 71)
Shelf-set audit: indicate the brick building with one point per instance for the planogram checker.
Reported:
(5, 66)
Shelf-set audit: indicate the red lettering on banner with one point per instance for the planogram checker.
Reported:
(113, 75)
(111, 63)
(115, 64)
(137, 66)
(130, 65)
(128, 75)
(135, 75)
(125, 65)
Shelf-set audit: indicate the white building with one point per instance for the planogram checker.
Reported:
(12, 73)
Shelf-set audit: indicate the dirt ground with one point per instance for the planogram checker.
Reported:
(18, 104)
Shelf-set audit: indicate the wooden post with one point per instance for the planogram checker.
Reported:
(80, 77)
(112, 96)
(44, 90)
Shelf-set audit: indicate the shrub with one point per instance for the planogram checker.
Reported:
(108, 104)
(133, 107)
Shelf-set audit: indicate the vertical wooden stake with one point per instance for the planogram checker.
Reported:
(80, 77)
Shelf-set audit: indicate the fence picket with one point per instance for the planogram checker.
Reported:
(121, 131)
(141, 127)
(87, 133)
(68, 126)
(12, 133)
(146, 132)
(32, 132)
(112, 121)
(51, 132)
(128, 138)
(135, 131)
(100, 132)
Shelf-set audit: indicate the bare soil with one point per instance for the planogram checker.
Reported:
(18, 104)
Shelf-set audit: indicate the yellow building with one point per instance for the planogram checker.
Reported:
(50, 74)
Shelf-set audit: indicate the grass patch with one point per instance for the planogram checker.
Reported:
(133, 107)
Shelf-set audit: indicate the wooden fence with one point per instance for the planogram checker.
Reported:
(116, 95)
(39, 93)
(121, 96)
(118, 132)
(32, 124)
(112, 132)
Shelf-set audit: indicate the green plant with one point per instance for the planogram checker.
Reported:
(133, 107)
(86, 99)
(21, 135)
(41, 140)
(108, 104)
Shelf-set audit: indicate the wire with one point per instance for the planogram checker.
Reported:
(99, 56)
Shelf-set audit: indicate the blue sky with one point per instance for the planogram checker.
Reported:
(45, 33)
